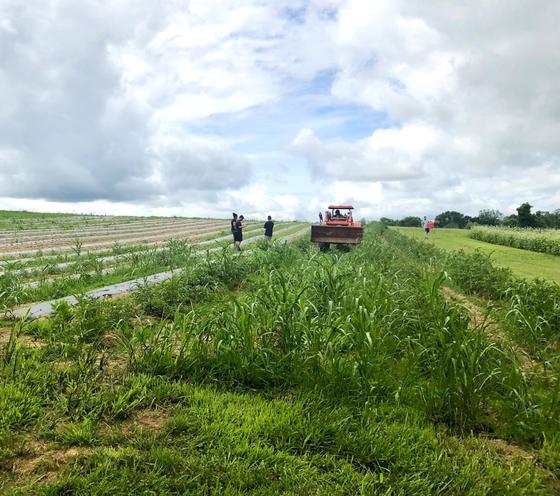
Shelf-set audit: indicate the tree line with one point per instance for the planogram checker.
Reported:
(486, 217)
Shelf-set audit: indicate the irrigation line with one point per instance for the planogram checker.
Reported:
(37, 310)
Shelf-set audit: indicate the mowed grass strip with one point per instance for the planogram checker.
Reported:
(523, 263)
(210, 441)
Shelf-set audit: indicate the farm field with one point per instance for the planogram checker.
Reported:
(523, 263)
(395, 368)
(44, 257)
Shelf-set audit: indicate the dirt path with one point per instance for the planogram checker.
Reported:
(480, 318)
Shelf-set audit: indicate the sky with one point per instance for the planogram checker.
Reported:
(279, 107)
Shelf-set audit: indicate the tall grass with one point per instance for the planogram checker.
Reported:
(351, 362)
(540, 240)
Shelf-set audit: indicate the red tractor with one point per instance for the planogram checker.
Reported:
(338, 228)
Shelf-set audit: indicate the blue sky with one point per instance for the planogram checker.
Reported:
(281, 107)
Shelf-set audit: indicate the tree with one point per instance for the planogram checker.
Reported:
(489, 217)
(389, 222)
(451, 219)
(549, 220)
(524, 216)
(510, 221)
(410, 222)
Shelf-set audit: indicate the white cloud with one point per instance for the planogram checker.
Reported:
(139, 103)
(387, 155)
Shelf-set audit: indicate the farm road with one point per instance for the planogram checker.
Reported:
(36, 310)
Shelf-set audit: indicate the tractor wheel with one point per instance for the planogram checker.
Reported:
(324, 246)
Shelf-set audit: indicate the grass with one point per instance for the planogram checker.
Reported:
(522, 262)
(287, 371)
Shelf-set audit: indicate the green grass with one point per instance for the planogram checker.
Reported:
(522, 262)
(285, 371)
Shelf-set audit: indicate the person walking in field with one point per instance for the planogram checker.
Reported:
(268, 228)
(426, 224)
(238, 233)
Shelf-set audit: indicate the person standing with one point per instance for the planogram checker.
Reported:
(238, 233)
(426, 225)
(320, 217)
(268, 228)
(233, 221)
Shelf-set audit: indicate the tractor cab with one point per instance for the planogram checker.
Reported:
(339, 215)
(338, 227)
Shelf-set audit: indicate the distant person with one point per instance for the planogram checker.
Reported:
(268, 228)
(233, 221)
(320, 217)
(426, 224)
(238, 233)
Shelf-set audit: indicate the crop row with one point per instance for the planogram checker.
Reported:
(540, 240)
(28, 236)
(54, 259)
(74, 244)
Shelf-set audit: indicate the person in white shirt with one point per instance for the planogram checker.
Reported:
(426, 226)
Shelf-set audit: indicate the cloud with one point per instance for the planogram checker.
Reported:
(482, 74)
(196, 105)
(388, 154)
(95, 109)
(190, 164)
(67, 132)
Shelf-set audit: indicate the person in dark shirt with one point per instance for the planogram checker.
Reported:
(238, 233)
(268, 228)
(233, 221)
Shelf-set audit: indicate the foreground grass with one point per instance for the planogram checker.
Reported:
(522, 262)
(284, 371)
(201, 440)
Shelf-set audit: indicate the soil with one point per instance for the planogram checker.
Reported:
(45, 461)
(150, 419)
(28, 341)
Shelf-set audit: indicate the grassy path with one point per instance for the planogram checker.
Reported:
(523, 263)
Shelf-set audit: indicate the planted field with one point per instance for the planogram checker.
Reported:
(523, 263)
(395, 368)
(50, 257)
(540, 240)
